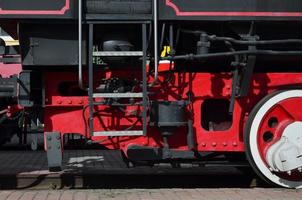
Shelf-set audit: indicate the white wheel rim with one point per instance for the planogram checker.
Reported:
(253, 139)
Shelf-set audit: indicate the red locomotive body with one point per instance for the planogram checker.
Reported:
(168, 80)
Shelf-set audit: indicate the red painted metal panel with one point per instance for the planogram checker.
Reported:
(7, 70)
(65, 114)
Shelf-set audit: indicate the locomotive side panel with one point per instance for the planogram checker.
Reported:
(50, 44)
(230, 10)
(168, 9)
(41, 9)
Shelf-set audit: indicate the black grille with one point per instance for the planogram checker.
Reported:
(119, 6)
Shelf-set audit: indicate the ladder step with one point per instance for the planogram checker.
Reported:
(118, 53)
(118, 95)
(117, 133)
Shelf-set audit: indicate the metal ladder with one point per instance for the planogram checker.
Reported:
(142, 95)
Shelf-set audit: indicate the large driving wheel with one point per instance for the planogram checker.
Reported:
(273, 138)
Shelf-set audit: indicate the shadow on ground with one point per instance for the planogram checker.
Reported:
(104, 170)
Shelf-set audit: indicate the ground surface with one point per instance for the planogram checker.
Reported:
(96, 174)
(158, 194)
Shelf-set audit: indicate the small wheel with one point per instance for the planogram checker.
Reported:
(272, 132)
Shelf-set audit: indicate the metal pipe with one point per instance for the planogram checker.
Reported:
(190, 135)
(171, 38)
(259, 42)
(227, 54)
(80, 70)
(155, 24)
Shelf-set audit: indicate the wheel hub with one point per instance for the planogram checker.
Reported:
(286, 154)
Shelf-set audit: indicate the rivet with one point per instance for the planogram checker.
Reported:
(69, 101)
(225, 144)
(203, 144)
(59, 101)
(234, 144)
(49, 138)
(214, 144)
(80, 101)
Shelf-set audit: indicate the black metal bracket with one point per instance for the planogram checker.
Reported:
(8, 87)
(24, 89)
(17, 88)
(247, 70)
(142, 153)
(54, 150)
(8, 59)
(9, 54)
(242, 75)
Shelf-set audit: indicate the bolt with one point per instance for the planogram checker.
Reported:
(289, 172)
(49, 138)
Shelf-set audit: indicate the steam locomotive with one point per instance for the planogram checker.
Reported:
(163, 81)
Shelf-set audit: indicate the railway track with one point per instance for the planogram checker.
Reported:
(105, 169)
(103, 175)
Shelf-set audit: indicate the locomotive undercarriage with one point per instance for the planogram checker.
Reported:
(198, 91)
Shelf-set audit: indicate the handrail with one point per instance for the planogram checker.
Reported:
(80, 70)
(155, 24)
